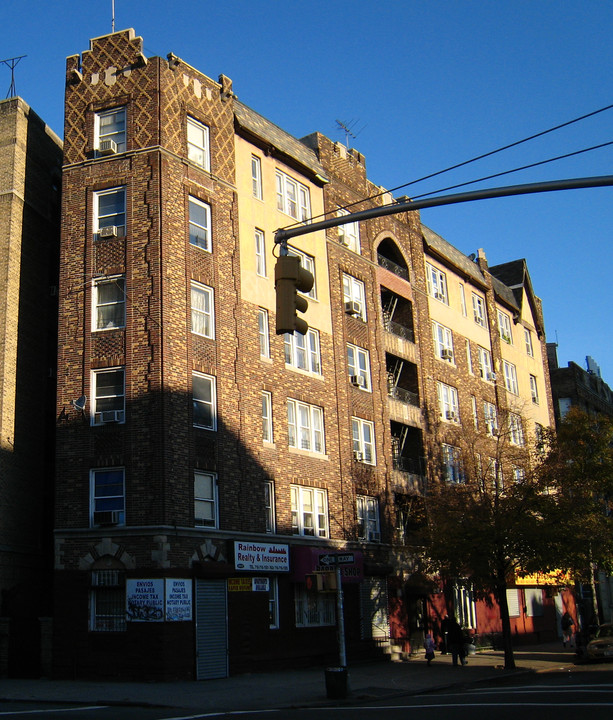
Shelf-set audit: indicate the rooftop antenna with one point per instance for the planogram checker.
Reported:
(347, 128)
(11, 63)
(112, 15)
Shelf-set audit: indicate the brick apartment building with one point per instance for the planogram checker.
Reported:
(30, 176)
(205, 465)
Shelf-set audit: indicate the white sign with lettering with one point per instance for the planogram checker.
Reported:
(271, 557)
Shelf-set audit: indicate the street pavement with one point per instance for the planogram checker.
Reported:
(294, 688)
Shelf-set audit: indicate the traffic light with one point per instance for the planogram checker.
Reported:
(291, 278)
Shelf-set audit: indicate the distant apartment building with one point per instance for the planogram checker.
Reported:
(208, 469)
(30, 176)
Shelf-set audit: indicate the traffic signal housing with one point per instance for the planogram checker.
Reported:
(290, 279)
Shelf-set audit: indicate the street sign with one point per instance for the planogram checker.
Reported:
(336, 559)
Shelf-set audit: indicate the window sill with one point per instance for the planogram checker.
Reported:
(308, 453)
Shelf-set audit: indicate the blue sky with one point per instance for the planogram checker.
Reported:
(424, 85)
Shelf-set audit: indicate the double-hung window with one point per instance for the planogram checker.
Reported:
(448, 404)
(452, 464)
(504, 327)
(510, 377)
(491, 419)
(267, 416)
(516, 430)
(263, 333)
(108, 391)
(479, 310)
(198, 149)
(110, 131)
(363, 433)
(256, 177)
(109, 303)
(309, 511)
(302, 351)
(349, 234)
(437, 283)
(462, 299)
(443, 342)
(534, 390)
(110, 212)
(200, 224)
(293, 198)
(528, 341)
(358, 365)
(205, 500)
(204, 401)
(203, 310)
(354, 297)
(108, 496)
(269, 505)
(308, 263)
(367, 510)
(305, 426)
(486, 370)
(260, 253)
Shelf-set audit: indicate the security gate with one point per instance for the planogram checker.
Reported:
(211, 629)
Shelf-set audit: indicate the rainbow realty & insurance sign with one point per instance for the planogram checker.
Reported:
(271, 557)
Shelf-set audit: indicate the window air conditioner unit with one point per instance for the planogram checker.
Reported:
(374, 536)
(439, 296)
(450, 415)
(358, 456)
(353, 308)
(107, 147)
(108, 231)
(491, 376)
(447, 354)
(343, 239)
(109, 416)
(107, 517)
(358, 380)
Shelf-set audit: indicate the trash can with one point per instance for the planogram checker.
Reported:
(336, 683)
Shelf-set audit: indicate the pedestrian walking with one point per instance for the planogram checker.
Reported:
(567, 624)
(455, 638)
(429, 645)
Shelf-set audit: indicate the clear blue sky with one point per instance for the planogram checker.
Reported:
(425, 85)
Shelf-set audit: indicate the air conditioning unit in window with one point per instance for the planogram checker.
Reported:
(358, 456)
(107, 147)
(358, 380)
(439, 296)
(491, 376)
(353, 308)
(374, 536)
(343, 239)
(451, 416)
(108, 231)
(109, 416)
(107, 517)
(447, 354)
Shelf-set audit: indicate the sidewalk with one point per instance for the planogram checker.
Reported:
(292, 688)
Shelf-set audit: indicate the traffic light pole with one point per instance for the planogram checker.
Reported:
(283, 235)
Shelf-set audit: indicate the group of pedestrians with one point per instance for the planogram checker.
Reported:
(454, 641)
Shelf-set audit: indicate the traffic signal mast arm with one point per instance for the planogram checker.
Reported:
(282, 236)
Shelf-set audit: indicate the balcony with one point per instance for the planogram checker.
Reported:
(393, 267)
(404, 407)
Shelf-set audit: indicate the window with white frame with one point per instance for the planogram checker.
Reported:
(269, 506)
(479, 310)
(494, 474)
(108, 496)
(452, 464)
(443, 342)
(510, 377)
(256, 177)
(203, 310)
(109, 303)
(273, 603)
(110, 131)
(504, 327)
(303, 352)
(363, 433)
(309, 508)
(462, 299)
(305, 426)
(108, 600)
(358, 365)
(110, 212)
(204, 401)
(200, 224)
(260, 253)
(534, 390)
(267, 417)
(491, 419)
(313, 609)
(198, 148)
(367, 510)
(437, 283)
(293, 198)
(109, 395)
(448, 404)
(528, 341)
(473, 404)
(519, 474)
(486, 371)
(308, 263)
(469, 358)
(535, 606)
(349, 234)
(354, 297)
(205, 500)
(263, 333)
(516, 430)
